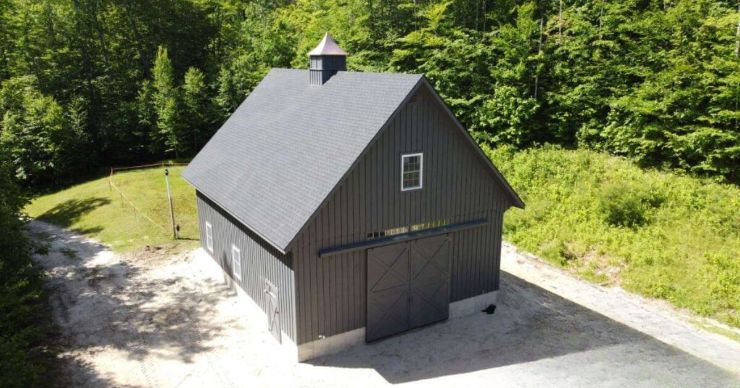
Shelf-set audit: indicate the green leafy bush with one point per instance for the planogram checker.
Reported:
(659, 234)
(24, 317)
(722, 274)
(627, 205)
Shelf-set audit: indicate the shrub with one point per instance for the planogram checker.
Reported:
(722, 275)
(627, 205)
(25, 324)
(656, 233)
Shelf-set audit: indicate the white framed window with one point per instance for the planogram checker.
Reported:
(236, 262)
(209, 236)
(412, 171)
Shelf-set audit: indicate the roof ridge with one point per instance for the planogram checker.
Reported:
(384, 73)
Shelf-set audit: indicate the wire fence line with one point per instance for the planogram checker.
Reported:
(125, 200)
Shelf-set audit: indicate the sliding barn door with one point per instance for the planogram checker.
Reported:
(407, 286)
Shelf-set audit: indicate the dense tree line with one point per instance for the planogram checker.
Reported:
(88, 83)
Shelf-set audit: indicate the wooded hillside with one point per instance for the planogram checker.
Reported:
(89, 83)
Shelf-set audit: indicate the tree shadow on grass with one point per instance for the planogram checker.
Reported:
(102, 301)
(69, 212)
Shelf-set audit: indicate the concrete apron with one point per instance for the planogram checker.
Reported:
(348, 339)
(342, 341)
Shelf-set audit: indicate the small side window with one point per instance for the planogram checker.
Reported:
(236, 262)
(209, 237)
(412, 166)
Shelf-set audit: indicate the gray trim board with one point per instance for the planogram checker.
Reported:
(517, 200)
(378, 242)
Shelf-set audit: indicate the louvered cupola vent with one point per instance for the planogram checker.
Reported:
(326, 60)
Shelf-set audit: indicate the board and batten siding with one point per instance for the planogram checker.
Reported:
(259, 261)
(457, 187)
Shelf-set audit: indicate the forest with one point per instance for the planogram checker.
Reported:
(88, 84)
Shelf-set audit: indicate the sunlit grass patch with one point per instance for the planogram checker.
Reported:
(96, 210)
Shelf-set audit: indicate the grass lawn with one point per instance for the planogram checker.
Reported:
(658, 234)
(96, 210)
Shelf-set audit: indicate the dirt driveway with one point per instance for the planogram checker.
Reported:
(160, 321)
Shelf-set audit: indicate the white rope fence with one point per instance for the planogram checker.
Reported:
(126, 201)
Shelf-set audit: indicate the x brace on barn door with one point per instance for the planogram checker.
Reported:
(407, 286)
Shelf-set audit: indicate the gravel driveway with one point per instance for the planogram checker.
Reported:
(157, 320)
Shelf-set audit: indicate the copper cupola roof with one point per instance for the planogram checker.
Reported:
(327, 46)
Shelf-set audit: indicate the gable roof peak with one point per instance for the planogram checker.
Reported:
(327, 46)
(271, 153)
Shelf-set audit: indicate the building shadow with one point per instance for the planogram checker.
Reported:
(530, 325)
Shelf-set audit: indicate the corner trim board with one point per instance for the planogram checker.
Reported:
(287, 346)
(331, 345)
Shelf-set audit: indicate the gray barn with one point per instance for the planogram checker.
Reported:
(350, 206)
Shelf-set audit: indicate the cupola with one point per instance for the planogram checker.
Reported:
(326, 60)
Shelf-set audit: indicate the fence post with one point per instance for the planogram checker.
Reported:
(169, 200)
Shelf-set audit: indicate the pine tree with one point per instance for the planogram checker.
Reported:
(198, 109)
(166, 105)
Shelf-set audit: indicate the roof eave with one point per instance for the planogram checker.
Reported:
(516, 201)
(281, 250)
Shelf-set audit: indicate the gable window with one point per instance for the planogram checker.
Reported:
(411, 171)
(209, 236)
(236, 262)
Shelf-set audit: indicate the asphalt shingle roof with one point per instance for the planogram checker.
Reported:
(289, 143)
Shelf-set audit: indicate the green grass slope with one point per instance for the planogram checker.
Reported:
(658, 234)
(98, 211)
